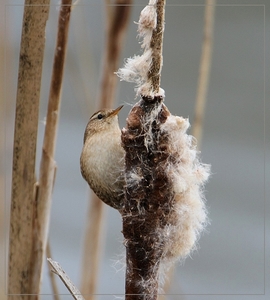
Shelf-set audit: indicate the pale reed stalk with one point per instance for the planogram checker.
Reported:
(204, 72)
(116, 27)
(24, 150)
(48, 165)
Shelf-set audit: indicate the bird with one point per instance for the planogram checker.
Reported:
(102, 157)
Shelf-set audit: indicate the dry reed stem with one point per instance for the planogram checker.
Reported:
(47, 166)
(4, 112)
(116, 28)
(57, 269)
(204, 72)
(115, 32)
(26, 123)
(92, 248)
(156, 45)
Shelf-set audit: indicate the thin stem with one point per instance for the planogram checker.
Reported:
(156, 45)
(47, 166)
(52, 277)
(116, 28)
(204, 72)
(92, 248)
(57, 269)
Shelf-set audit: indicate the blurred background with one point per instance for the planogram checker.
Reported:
(232, 261)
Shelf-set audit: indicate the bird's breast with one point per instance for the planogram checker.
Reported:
(102, 162)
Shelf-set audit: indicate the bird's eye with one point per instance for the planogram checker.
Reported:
(100, 116)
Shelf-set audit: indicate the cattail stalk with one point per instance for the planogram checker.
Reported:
(164, 211)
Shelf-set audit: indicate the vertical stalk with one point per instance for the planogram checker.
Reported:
(116, 29)
(156, 45)
(4, 112)
(204, 72)
(24, 154)
(51, 275)
(47, 166)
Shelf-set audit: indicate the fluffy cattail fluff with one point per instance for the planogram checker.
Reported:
(188, 176)
(136, 69)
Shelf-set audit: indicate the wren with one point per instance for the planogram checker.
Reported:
(102, 157)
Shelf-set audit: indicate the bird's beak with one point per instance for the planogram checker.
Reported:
(116, 111)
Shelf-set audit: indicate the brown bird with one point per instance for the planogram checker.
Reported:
(102, 157)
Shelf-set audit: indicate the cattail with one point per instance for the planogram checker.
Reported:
(164, 211)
